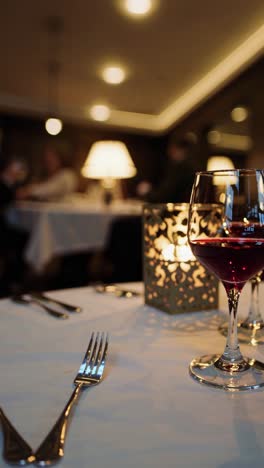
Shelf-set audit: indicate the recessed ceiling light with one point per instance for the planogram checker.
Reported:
(113, 75)
(138, 7)
(239, 114)
(53, 126)
(100, 112)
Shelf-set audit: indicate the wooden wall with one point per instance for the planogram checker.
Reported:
(247, 89)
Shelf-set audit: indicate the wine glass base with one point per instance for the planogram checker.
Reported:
(203, 370)
(248, 335)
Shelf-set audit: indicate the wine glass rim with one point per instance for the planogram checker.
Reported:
(230, 171)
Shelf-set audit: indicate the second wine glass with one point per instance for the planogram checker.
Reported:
(251, 330)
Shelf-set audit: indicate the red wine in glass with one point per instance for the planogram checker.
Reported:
(232, 260)
(226, 234)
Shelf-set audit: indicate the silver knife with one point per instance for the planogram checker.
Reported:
(16, 451)
(68, 307)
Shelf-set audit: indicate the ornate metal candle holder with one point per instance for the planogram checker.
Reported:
(175, 281)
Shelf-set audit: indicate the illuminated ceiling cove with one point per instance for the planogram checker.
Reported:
(171, 59)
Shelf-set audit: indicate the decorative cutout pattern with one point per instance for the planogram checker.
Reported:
(175, 281)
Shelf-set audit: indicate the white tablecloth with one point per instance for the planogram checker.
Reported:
(64, 228)
(147, 412)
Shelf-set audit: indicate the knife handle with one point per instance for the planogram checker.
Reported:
(52, 448)
(16, 451)
(68, 307)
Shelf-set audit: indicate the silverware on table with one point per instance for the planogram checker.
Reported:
(64, 305)
(116, 290)
(16, 451)
(20, 299)
(90, 373)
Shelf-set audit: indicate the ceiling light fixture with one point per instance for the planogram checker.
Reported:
(53, 126)
(239, 114)
(54, 28)
(113, 75)
(138, 7)
(100, 112)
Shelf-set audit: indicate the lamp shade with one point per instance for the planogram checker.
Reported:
(108, 159)
(219, 163)
(216, 163)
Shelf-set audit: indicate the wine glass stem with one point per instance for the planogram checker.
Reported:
(254, 316)
(232, 359)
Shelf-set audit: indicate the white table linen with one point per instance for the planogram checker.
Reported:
(65, 227)
(147, 412)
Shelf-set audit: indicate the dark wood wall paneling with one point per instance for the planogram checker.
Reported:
(247, 89)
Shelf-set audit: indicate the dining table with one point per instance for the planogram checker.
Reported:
(73, 225)
(147, 411)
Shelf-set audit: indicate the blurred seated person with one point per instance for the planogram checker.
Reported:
(59, 182)
(176, 184)
(12, 173)
(12, 239)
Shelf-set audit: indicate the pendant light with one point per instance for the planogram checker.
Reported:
(53, 124)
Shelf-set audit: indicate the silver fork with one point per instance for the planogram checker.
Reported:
(90, 373)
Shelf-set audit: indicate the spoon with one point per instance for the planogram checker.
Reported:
(119, 292)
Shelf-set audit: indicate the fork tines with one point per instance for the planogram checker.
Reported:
(93, 362)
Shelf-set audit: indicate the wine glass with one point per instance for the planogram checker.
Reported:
(226, 234)
(251, 330)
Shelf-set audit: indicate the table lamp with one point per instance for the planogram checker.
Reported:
(218, 163)
(108, 161)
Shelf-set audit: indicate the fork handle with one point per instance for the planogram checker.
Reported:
(15, 451)
(52, 448)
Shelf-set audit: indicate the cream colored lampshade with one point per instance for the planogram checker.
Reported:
(108, 159)
(218, 163)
